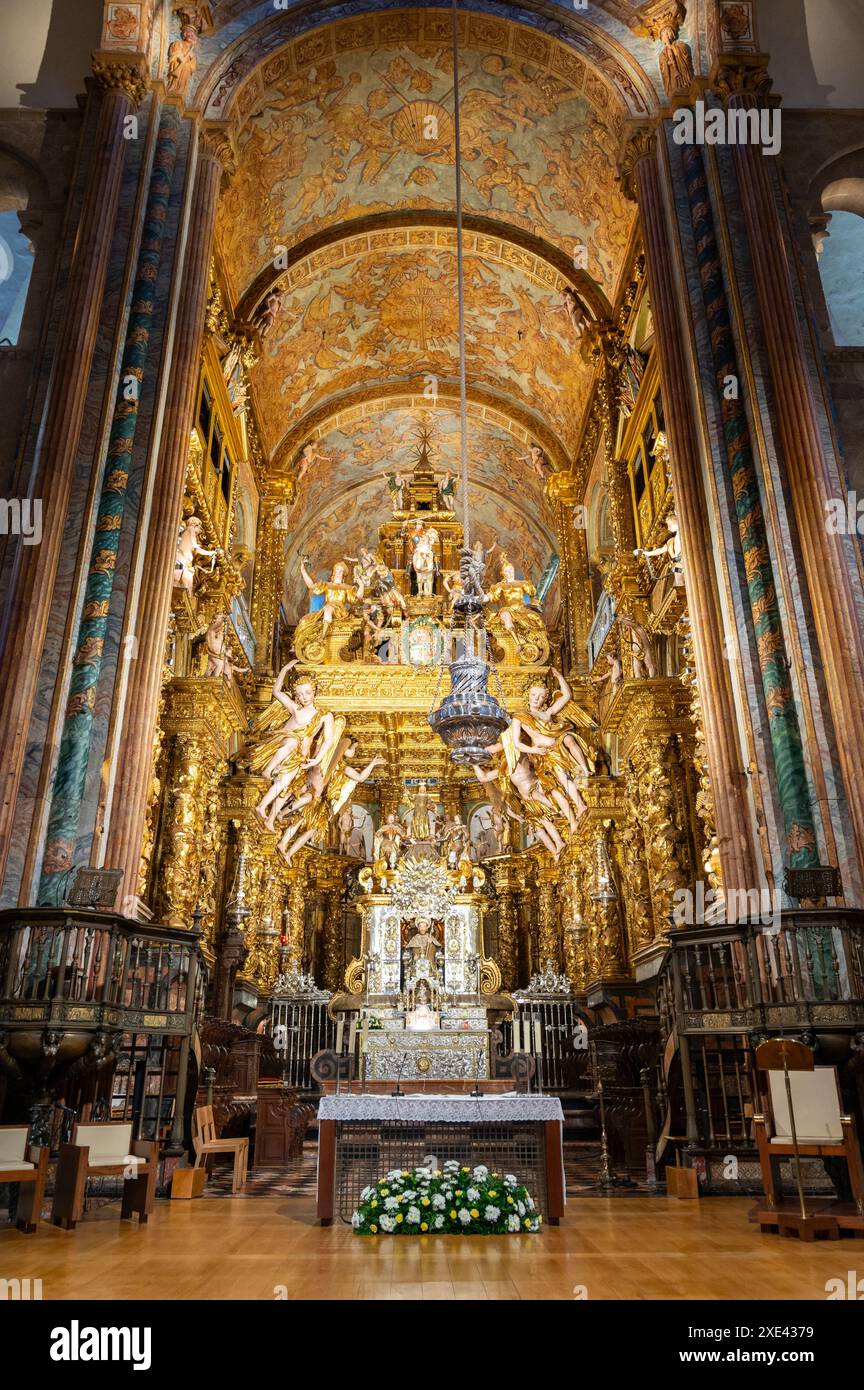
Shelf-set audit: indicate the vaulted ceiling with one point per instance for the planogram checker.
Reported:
(344, 199)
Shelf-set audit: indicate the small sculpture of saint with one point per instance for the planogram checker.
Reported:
(422, 944)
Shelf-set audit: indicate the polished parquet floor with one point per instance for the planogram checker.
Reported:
(246, 1247)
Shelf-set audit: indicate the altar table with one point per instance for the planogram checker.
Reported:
(363, 1136)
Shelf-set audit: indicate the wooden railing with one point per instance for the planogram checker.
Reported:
(804, 971)
(83, 967)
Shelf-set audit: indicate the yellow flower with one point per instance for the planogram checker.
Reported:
(458, 1191)
(539, 1220)
(452, 1216)
(424, 1202)
(374, 1230)
(423, 1226)
(527, 1221)
(493, 1193)
(437, 1173)
(465, 1170)
(405, 1173)
(385, 1192)
(400, 1218)
(475, 1213)
(510, 1201)
(373, 1204)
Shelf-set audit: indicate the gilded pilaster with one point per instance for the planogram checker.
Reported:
(506, 884)
(549, 918)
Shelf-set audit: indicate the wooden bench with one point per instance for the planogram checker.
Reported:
(26, 1164)
(105, 1150)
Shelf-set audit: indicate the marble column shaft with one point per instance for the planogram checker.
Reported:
(827, 559)
(129, 804)
(30, 596)
(740, 861)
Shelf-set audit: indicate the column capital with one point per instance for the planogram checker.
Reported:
(661, 15)
(641, 143)
(217, 145)
(123, 72)
(743, 78)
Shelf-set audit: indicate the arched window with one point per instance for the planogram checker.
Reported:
(841, 258)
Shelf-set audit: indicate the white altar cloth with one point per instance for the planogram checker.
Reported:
(453, 1108)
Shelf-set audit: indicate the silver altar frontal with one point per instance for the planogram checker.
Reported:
(423, 972)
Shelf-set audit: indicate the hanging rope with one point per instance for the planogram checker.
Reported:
(460, 284)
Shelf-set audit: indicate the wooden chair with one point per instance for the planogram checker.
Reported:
(105, 1150)
(205, 1143)
(28, 1165)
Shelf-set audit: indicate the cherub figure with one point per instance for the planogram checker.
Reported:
(537, 461)
(574, 311)
(219, 661)
(188, 550)
(641, 649)
(308, 456)
(265, 319)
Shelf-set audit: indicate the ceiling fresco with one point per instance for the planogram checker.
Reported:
(391, 315)
(345, 171)
(361, 133)
(342, 502)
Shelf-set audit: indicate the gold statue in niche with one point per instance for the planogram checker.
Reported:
(518, 617)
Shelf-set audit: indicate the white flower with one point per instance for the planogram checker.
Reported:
(439, 1222)
(394, 1175)
(472, 1194)
(491, 1213)
(512, 1223)
(510, 1181)
(481, 1172)
(355, 1220)
(520, 1207)
(448, 1193)
(387, 1223)
(451, 1166)
(529, 1202)
(391, 1203)
(367, 1193)
(438, 1202)
(465, 1216)
(413, 1217)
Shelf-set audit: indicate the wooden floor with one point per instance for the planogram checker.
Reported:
(246, 1247)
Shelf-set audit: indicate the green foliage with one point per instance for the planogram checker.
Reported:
(448, 1201)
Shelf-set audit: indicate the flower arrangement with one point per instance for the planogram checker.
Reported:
(452, 1200)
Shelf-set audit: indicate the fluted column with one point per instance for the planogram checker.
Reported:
(123, 81)
(740, 861)
(505, 883)
(827, 558)
(129, 803)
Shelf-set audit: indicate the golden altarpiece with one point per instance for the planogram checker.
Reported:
(596, 899)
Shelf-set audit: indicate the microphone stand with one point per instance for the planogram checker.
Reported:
(399, 1091)
(477, 1091)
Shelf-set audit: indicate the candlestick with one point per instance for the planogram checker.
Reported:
(538, 1038)
(516, 1036)
(340, 1030)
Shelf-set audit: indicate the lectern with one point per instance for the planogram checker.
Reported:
(804, 1120)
